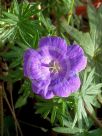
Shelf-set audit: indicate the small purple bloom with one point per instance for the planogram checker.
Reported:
(53, 68)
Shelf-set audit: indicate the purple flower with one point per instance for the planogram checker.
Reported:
(53, 68)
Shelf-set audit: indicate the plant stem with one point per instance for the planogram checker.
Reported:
(11, 99)
(13, 114)
(1, 109)
(71, 11)
(93, 117)
(0, 7)
(34, 126)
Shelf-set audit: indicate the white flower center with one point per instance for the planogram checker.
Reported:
(54, 67)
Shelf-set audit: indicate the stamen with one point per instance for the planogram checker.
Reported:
(54, 68)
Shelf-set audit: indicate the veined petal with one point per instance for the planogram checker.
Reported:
(32, 66)
(78, 61)
(63, 72)
(66, 87)
(41, 88)
(46, 57)
(53, 46)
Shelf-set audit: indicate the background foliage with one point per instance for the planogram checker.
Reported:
(22, 24)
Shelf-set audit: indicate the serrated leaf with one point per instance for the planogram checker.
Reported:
(95, 18)
(87, 82)
(53, 114)
(93, 22)
(87, 96)
(83, 39)
(94, 89)
(18, 24)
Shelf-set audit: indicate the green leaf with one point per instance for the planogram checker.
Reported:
(47, 24)
(95, 18)
(89, 87)
(15, 63)
(17, 23)
(79, 111)
(13, 75)
(69, 130)
(87, 81)
(30, 10)
(21, 102)
(11, 16)
(94, 89)
(9, 126)
(15, 52)
(25, 90)
(93, 22)
(16, 7)
(53, 114)
(86, 96)
(96, 132)
(44, 111)
(55, 107)
(83, 39)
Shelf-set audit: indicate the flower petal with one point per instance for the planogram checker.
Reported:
(41, 89)
(53, 42)
(32, 66)
(63, 73)
(78, 61)
(46, 57)
(54, 46)
(66, 87)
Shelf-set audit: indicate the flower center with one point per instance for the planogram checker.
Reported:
(54, 67)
